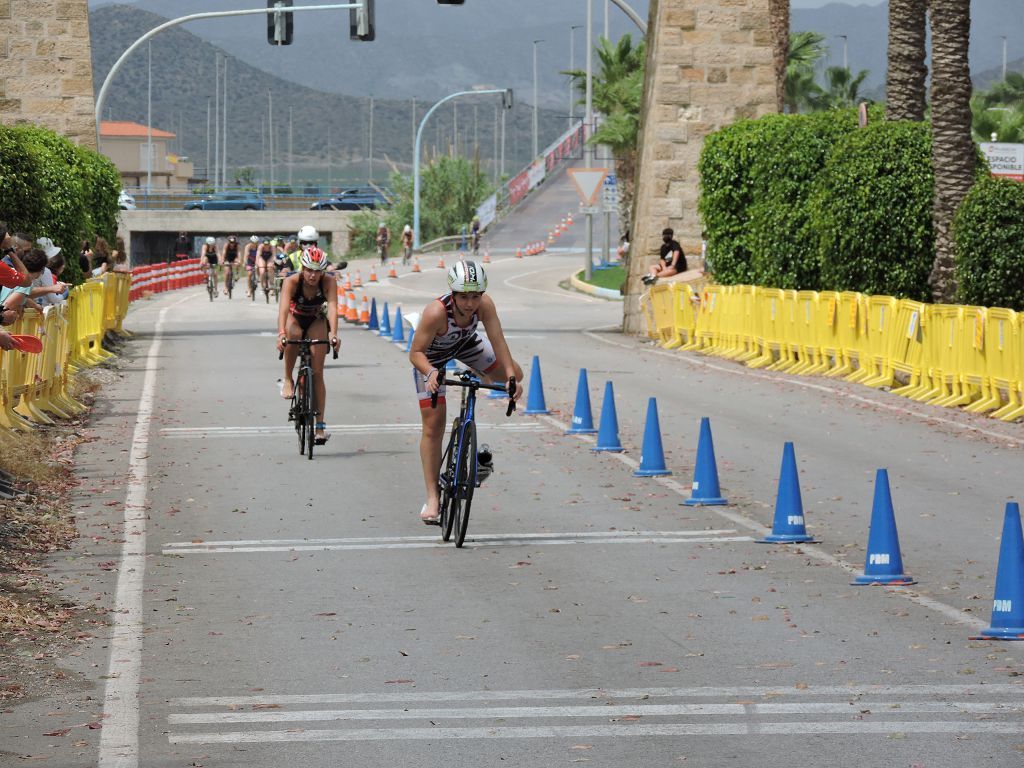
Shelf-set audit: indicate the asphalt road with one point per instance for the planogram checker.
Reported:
(278, 611)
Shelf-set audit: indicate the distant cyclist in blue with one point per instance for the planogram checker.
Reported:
(448, 331)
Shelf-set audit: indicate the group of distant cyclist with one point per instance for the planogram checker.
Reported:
(265, 259)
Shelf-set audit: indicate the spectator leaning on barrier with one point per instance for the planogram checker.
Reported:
(85, 259)
(673, 262)
(56, 266)
(100, 257)
(46, 289)
(12, 271)
(21, 297)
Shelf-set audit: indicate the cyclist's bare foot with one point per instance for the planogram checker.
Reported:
(287, 389)
(429, 514)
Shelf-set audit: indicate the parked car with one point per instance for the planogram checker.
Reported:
(227, 201)
(125, 201)
(353, 199)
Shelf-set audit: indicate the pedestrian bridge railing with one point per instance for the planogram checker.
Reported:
(946, 355)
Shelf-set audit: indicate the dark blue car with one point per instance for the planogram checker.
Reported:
(354, 199)
(227, 201)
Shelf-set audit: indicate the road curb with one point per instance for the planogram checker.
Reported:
(593, 290)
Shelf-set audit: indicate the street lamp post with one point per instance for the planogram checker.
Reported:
(535, 147)
(1004, 57)
(588, 120)
(416, 157)
(846, 63)
(572, 67)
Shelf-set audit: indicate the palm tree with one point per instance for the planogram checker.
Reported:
(905, 77)
(843, 88)
(617, 93)
(778, 22)
(953, 153)
(805, 50)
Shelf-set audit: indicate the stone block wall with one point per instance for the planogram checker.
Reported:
(709, 64)
(46, 66)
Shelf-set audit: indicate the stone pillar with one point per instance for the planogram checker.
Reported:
(46, 67)
(709, 64)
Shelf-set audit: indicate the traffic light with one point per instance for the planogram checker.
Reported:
(506, 99)
(360, 22)
(279, 23)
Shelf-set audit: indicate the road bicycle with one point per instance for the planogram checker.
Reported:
(252, 283)
(267, 289)
(211, 282)
(303, 403)
(460, 475)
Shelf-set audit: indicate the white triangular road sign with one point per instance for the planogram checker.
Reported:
(588, 182)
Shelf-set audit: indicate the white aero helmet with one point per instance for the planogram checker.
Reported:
(210, 241)
(314, 258)
(467, 277)
(407, 228)
(254, 239)
(308, 234)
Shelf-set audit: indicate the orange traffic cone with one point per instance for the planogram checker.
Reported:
(440, 262)
(519, 253)
(415, 265)
(347, 284)
(392, 272)
(342, 301)
(568, 219)
(551, 237)
(487, 257)
(352, 314)
(364, 312)
(373, 275)
(358, 282)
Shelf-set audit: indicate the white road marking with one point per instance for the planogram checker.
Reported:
(858, 707)
(119, 738)
(563, 294)
(613, 731)
(194, 433)
(847, 692)
(431, 542)
(760, 531)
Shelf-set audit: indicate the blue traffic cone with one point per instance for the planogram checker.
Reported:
(450, 365)
(788, 526)
(582, 420)
(608, 432)
(1008, 604)
(705, 490)
(535, 400)
(373, 325)
(397, 331)
(652, 457)
(385, 322)
(883, 564)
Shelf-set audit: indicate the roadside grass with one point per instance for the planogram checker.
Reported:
(605, 278)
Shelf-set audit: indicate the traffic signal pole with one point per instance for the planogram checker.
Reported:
(102, 96)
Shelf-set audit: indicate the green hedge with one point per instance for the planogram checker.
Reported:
(813, 202)
(872, 211)
(51, 187)
(988, 236)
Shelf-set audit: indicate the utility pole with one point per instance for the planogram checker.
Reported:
(370, 153)
(270, 138)
(455, 129)
(494, 157)
(329, 160)
(290, 156)
(414, 125)
(224, 152)
(1004, 58)
(216, 119)
(572, 67)
(536, 149)
(476, 132)
(501, 173)
(149, 125)
(263, 150)
(588, 148)
(207, 169)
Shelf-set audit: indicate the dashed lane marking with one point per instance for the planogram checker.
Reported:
(482, 540)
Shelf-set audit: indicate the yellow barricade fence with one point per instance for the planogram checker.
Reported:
(944, 355)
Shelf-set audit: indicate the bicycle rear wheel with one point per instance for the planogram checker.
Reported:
(229, 281)
(299, 399)
(465, 482)
(446, 482)
(310, 417)
(252, 285)
(210, 289)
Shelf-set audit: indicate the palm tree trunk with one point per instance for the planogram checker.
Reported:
(904, 86)
(778, 20)
(953, 152)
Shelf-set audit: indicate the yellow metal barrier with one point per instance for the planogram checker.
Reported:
(664, 316)
(789, 346)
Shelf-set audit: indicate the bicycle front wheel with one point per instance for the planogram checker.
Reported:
(465, 482)
(446, 482)
(210, 289)
(310, 416)
(299, 399)
(229, 282)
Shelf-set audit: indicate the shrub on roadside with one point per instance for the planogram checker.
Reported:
(988, 233)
